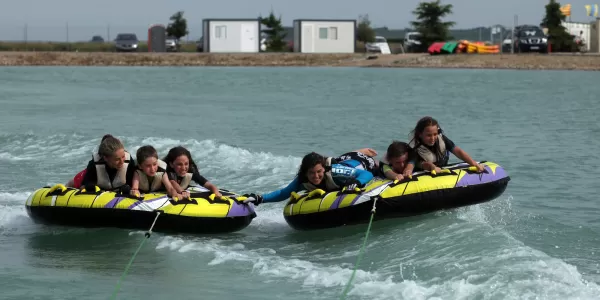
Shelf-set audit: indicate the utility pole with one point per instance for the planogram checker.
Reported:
(25, 36)
(67, 30)
(512, 39)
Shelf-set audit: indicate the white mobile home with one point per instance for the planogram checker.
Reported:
(324, 36)
(231, 35)
(577, 28)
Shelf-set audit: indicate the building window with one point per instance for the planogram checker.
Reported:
(221, 32)
(333, 33)
(323, 33)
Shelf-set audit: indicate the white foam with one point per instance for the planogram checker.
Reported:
(229, 166)
(12, 211)
(268, 263)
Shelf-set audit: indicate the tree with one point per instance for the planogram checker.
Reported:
(429, 23)
(275, 32)
(364, 31)
(560, 39)
(178, 26)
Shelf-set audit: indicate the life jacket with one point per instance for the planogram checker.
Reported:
(152, 184)
(330, 184)
(184, 182)
(103, 181)
(367, 162)
(439, 157)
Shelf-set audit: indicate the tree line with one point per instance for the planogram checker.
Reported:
(429, 24)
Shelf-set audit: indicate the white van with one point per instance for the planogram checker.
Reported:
(411, 41)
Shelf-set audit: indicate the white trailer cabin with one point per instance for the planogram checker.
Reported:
(576, 29)
(231, 35)
(324, 36)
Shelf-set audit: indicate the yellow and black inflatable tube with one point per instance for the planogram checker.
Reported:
(201, 213)
(456, 186)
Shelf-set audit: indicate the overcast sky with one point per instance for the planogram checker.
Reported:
(47, 19)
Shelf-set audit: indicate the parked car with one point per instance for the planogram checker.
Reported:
(172, 44)
(528, 38)
(380, 45)
(126, 42)
(411, 41)
(97, 39)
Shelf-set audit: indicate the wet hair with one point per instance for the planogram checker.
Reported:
(176, 152)
(145, 152)
(106, 136)
(421, 125)
(309, 161)
(397, 149)
(109, 146)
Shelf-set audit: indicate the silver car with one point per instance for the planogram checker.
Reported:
(126, 42)
(172, 44)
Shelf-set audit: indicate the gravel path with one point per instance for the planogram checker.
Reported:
(483, 61)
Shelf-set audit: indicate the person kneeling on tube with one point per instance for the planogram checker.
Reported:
(318, 172)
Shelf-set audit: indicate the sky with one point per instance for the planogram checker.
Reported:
(48, 20)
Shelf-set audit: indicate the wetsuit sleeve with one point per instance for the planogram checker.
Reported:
(284, 193)
(90, 178)
(199, 178)
(363, 176)
(449, 143)
(385, 168)
(130, 170)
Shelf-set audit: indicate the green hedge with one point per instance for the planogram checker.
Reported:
(81, 47)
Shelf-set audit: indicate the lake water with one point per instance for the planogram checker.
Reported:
(248, 128)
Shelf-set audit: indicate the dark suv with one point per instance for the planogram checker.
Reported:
(530, 38)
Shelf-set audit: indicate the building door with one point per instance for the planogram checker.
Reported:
(248, 37)
(307, 41)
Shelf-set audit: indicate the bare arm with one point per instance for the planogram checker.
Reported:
(213, 189)
(135, 184)
(460, 153)
(176, 186)
(367, 151)
(408, 170)
(391, 175)
(429, 166)
(171, 191)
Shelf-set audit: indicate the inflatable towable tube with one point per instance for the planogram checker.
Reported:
(456, 186)
(202, 213)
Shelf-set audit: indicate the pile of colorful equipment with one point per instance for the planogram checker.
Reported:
(462, 46)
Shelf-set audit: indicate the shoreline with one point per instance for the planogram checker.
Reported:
(557, 61)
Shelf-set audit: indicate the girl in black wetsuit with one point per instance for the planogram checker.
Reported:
(433, 149)
(182, 170)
